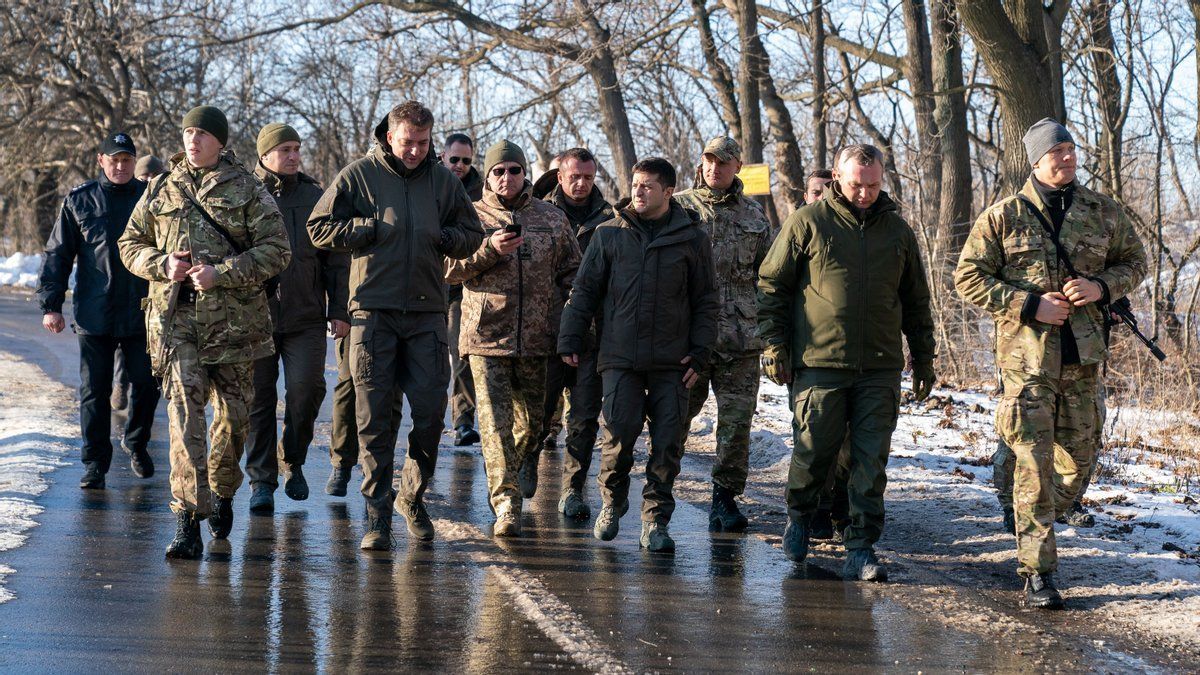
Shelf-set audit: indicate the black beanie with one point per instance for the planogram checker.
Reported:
(210, 119)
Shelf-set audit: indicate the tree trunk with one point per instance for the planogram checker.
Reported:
(950, 114)
(1011, 41)
(45, 201)
(601, 66)
(745, 13)
(1053, 15)
(719, 72)
(918, 70)
(1195, 5)
(1097, 16)
(820, 84)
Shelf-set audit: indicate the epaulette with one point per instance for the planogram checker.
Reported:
(82, 186)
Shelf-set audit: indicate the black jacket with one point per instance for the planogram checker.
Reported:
(313, 287)
(654, 298)
(107, 297)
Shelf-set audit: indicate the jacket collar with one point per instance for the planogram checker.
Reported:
(715, 196)
(680, 226)
(522, 201)
(382, 152)
(838, 202)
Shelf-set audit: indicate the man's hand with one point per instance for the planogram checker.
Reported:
(691, 376)
(203, 277)
(505, 242)
(338, 329)
(923, 377)
(1083, 291)
(178, 264)
(1054, 308)
(571, 360)
(54, 322)
(777, 364)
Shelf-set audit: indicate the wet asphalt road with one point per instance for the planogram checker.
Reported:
(292, 592)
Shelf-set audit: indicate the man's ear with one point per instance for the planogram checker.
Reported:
(669, 191)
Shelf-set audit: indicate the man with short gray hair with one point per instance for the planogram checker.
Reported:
(842, 282)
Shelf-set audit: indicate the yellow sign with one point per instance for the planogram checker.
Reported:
(756, 179)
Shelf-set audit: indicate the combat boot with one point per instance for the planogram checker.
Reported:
(1077, 516)
(93, 477)
(221, 520)
(1041, 593)
(139, 462)
(339, 479)
(572, 505)
(465, 434)
(187, 544)
(296, 488)
(656, 539)
(379, 527)
(724, 515)
(608, 523)
(550, 443)
(262, 498)
(419, 523)
(508, 521)
(821, 527)
(795, 540)
(527, 475)
(1010, 520)
(862, 564)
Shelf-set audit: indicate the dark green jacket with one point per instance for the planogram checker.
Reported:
(598, 209)
(312, 288)
(840, 290)
(399, 226)
(654, 299)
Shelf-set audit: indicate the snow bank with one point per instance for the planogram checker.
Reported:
(20, 269)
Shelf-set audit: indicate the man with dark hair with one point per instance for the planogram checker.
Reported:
(842, 282)
(311, 294)
(402, 214)
(576, 194)
(457, 155)
(108, 313)
(208, 236)
(647, 278)
(815, 184)
(740, 235)
(1050, 333)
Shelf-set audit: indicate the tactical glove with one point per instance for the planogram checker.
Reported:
(923, 377)
(777, 364)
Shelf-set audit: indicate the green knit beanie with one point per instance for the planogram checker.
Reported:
(210, 119)
(275, 134)
(504, 151)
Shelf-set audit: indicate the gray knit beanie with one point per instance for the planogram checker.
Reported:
(1042, 136)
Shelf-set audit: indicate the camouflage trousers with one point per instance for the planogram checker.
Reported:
(1051, 426)
(1004, 461)
(204, 461)
(509, 397)
(734, 381)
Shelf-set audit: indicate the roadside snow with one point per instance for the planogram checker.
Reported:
(37, 425)
(20, 269)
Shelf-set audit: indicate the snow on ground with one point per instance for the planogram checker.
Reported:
(20, 269)
(1138, 569)
(38, 427)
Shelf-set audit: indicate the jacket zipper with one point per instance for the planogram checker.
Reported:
(520, 295)
(862, 334)
(409, 253)
(637, 325)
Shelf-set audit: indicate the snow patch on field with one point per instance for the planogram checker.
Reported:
(20, 269)
(37, 416)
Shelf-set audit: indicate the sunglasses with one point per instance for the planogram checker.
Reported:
(500, 171)
(466, 161)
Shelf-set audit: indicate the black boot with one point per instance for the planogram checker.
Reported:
(187, 544)
(465, 434)
(724, 515)
(862, 565)
(295, 487)
(795, 540)
(527, 475)
(262, 498)
(1041, 593)
(339, 479)
(140, 462)
(822, 525)
(379, 527)
(221, 520)
(93, 477)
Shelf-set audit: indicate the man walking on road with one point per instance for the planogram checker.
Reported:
(648, 279)
(402, 214)
(108, 311)
(740, 236)
(311, 294)
(457, 155)
(840, 285)
(208, 236)
(1050, 333)
(513, 288)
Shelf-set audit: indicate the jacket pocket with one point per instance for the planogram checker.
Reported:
(1025, 260)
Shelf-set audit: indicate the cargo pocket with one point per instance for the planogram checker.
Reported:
(362, 334)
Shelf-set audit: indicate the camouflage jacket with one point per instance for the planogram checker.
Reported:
(512, 304)
(1008, 257)
(741, 236)
(233, 322)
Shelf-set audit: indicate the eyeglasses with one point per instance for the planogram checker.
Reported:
(466, 161)
(500, 171)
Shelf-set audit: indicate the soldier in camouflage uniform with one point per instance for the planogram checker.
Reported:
(741, 236)
(206, 315)
(1049, 333)
(513, 288)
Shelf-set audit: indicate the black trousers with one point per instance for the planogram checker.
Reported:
(96, 356)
